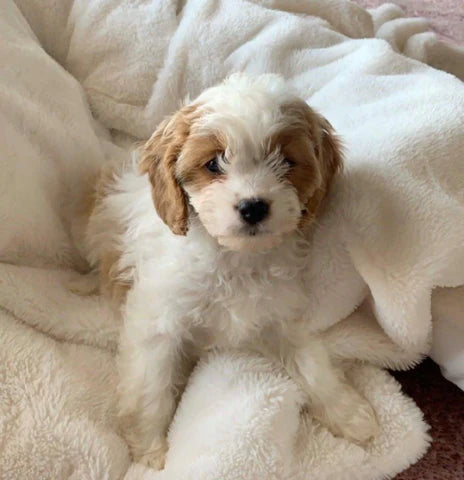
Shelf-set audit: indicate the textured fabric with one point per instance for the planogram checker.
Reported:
(446, 16)
(133, 62)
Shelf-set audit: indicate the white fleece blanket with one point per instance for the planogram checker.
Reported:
(394, 226)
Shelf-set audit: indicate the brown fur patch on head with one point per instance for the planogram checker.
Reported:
(308, 141)
(159, 158)
(198, 149)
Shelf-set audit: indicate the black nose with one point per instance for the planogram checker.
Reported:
(253, 210)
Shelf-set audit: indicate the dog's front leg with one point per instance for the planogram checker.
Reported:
(333, 401)
(148, 370)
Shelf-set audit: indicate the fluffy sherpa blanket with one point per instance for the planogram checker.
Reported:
(80, 80)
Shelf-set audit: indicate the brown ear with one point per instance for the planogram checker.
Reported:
(329, 151)
(320, 150)
(329, 155)
(158, 158)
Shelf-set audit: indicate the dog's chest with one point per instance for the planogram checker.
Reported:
(238, 303)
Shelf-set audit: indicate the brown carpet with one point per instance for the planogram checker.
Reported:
(443, 406)
(446, 16)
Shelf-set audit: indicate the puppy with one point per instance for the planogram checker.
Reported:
(236, 178)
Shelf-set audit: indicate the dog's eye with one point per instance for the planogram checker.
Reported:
(213, 166)
(289, 163)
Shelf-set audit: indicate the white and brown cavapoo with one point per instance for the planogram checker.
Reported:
(236, 178)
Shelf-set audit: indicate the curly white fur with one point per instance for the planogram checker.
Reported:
(192, 293)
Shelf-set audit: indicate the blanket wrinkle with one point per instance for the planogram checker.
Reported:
(420, 43)
(79, 81)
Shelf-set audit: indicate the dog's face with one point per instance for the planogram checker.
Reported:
(251, 160)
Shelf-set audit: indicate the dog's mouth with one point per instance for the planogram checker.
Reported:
(253, 231)
(252, 240)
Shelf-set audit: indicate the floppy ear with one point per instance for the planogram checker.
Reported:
(329, 151)
(158, 158)
(324, 153)
(329, 155)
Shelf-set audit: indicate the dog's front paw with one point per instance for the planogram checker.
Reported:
(155, 456)
(352, 417)
(360, 425)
